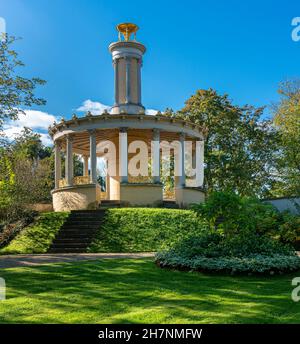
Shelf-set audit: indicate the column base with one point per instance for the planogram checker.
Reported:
(186, 196)
(141, 194)
(79, 197)
(127, 108)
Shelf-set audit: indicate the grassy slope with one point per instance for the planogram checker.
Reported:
(37, 237)
(142, 229)
(124, 230)
(136, 291)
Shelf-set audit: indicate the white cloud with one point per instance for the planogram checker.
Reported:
(96, 108)
(151, 112)
(38, 121)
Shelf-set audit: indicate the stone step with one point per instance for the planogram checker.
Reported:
(87, 212)
(67, 250)
(105, 204)
(170, 204)
(85, 217)
(81, 225)
(74, 234)
(70, 245)
(80, 240)
(77, 232)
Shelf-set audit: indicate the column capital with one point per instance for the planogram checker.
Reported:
(156, 134)
(70, 137)
(127, 59)
(181, 136)
(57, 144)
(140, 61)
(123, 129)
(92, 131)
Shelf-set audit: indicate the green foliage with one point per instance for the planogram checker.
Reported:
(15, 91)
(233, 214)
(287, 121)
(239, 146)
(213, 244)
(37, 237)
(289, 228)
(255, 264)
(10, 230)
(144, 229)
(242, 238)
(214, 252)
(28, 145)
(7, 180)
(26, 175)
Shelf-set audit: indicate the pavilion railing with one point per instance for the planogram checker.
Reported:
(79, 180)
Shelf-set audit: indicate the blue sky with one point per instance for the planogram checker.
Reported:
(243, 48)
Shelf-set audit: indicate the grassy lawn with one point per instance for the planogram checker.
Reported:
(136, 291)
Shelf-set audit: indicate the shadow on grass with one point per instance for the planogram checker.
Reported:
(136, 291)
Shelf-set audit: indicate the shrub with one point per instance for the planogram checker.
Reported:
(253, 264)
(37, 237)
(10, 230)
(144, 229)
(234, 214)
(289, 228)
(241, 238)
(214, 252)
(214, 244)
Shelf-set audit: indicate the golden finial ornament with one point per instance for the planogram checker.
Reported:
(127, 29)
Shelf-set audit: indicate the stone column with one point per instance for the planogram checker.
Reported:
(116, 67)
(93, 157)
(57, 150)
(181, 158)
(128, 81)
(155, 152)
(139, 82)
(123, 155)
(69, 160)
(85, 165)
(107, 181)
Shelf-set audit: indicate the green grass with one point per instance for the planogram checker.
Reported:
(124, 230)
(136, 291)
(143, 229)
(37, 237)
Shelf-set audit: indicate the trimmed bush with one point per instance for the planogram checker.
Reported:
(37, 237)
(144, 229)
(212, 252)
(241, 239)
(253, 264)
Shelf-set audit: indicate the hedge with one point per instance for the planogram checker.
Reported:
(256, 264)
(143, 229)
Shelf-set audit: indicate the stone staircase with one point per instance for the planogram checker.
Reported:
(170, 204)
(105, 204)
(77, 232)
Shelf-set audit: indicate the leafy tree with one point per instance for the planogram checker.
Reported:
(15, 91)
(287, 120)
(26, 175)
(28, 144)
(239, 145)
